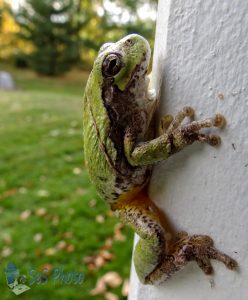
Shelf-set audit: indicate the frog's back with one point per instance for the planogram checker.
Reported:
(95, 125)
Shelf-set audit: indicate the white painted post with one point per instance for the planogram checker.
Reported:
(203, 47)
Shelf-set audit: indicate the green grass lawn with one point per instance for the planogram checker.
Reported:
(48, 214)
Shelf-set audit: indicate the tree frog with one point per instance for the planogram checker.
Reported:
(120, 148)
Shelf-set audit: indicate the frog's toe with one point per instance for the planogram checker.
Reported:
(176, 122)
(203, 251)
(212, 140)
(205, 265)
(231, 263)
(165, 123)
(189, 111)
(219, 120)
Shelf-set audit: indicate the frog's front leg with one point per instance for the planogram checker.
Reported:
(174, 137)
(155, 259)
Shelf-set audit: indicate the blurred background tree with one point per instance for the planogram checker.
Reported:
(52, 26)
(114, 19)
(9, 44)
(60, 34)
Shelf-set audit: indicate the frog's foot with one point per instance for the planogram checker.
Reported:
(181, 135)
(201, 249)
(198, 248)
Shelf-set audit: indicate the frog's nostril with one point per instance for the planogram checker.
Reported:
(129, 42)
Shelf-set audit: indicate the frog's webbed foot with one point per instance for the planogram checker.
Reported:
(198, 248)
(183, 240)
(185, 134)
(201, 249)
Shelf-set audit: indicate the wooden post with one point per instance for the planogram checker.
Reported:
(201, 54)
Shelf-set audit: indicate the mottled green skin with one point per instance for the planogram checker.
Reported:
(119, 151)
(95, 159)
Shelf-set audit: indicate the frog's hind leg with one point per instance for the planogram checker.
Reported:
(156, 259)
(150, 250)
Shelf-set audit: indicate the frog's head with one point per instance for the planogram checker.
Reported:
(125, 60)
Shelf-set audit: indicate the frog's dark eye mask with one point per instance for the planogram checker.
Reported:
(112, 64)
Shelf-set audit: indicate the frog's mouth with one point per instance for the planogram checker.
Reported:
(139, 76)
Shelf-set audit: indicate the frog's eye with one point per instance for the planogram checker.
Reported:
(112, 64)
